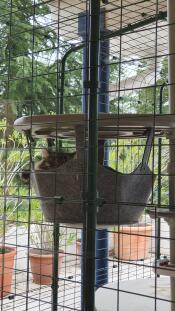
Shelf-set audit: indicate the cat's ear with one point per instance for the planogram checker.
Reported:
(44, 153)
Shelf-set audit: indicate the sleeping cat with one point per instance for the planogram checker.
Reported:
(50, 159)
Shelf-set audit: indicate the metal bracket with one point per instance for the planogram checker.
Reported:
(99, 201)
(59, 199)
(88, 84)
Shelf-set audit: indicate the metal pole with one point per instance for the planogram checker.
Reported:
(158, 221)
(171, 72)
(83, 31)
(102, 248)
(101, 257)
(91, 212)
(103, 103)
(55, 267)
(63, 64)
(103, 106)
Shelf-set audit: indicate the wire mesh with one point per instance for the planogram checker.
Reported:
(46, 156)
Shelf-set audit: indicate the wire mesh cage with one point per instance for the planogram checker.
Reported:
(87, 155)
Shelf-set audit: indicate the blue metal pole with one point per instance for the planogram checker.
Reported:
(103, 104)
(103, 107)
(101, 257)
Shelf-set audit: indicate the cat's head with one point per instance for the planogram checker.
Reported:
(52, 159)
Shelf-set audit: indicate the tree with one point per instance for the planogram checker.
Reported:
(26, 48)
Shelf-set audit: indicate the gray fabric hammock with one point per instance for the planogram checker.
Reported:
(124, 195)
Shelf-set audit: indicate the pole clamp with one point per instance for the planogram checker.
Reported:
(99, 201)
(88, 84)
(59, 199)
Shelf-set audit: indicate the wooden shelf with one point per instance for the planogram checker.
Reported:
(161, 213)
(109, 125)
(168, 270)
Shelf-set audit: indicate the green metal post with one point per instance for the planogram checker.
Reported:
(91, 211)
(171, 81)
(158, 222)
(63, 65)
(55, 267)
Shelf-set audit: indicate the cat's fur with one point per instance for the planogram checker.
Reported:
(50, 159)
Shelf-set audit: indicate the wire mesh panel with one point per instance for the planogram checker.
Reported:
(87, 155)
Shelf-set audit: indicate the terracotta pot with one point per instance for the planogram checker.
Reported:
(78, 246)
(132, 242)
(6, 270)
(41, 262)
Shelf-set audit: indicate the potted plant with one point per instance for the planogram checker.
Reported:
(9, 166)
(132, 242)
(7, 255)
(41, 253)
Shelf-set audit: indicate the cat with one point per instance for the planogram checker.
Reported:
(50, 159)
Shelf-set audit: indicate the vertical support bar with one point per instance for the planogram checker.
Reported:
(103, 103)
(172, 260)
(91, 212)
(103, 106)
(83, 21)
(171, 72)
(101, 257)
(171, 52)
(158, 221)
(55, 267)
(83, 31)
(85, 79)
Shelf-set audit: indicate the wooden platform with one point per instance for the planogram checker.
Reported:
(109, 125)
(168, 270)
(165, 213)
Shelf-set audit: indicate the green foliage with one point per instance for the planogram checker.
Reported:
(12, 160)
(25, 40)
(20, 21)
(33, 95)
(125, 155)
(42, 236)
